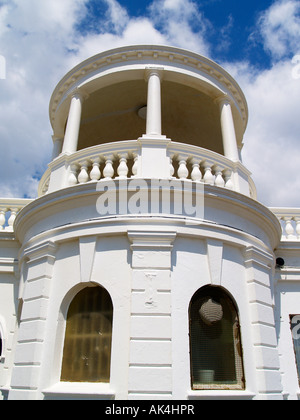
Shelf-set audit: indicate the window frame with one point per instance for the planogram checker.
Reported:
(3, 343)
(64, 332)
(297, 362)
(241, 383)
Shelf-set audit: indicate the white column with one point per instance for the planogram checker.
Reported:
(57, 146)
(228, 130)
(73, 125)
(154, 102)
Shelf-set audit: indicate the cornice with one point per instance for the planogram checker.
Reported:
(147, 55)
(216, 197)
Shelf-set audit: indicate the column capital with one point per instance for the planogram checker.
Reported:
(79, 94)
(223, 100)
(157, 71)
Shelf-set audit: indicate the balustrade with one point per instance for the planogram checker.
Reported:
(122, 160)
(290, 222)
(9, 208)
(202, 168)
(103, 167)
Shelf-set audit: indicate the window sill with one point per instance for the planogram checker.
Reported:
(220, 395)
(79, 390)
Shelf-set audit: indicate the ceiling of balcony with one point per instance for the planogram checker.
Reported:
(188, 115)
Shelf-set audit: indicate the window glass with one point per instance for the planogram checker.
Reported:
(216, 351)
(295, 327)
(87, 347)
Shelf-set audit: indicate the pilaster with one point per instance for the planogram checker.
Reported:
(150, 359)
(28, 360)
(258, 265)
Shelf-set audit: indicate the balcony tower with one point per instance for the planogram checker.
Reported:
(140, 134)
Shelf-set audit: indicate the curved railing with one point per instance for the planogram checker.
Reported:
(9, 208)
(289, 219)
(198, 164)
(123, 159)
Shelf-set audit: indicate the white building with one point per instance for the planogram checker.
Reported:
(146, 268)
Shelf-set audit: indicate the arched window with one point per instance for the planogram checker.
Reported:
(2, 358)
(87, 347)
(215, 344)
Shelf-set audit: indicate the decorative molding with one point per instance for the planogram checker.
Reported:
(147, 54)
(151, 249)
(215, 260)
(43, 250)
(142, 239)
(257, 256)
(87, 246)
(8, 265)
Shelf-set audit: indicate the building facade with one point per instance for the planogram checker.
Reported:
(146, 268)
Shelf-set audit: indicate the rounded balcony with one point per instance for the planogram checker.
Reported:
(148, 112)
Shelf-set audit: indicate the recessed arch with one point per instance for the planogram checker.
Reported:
(88, 335)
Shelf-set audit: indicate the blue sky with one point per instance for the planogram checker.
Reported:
(233, 20)
(258, 42)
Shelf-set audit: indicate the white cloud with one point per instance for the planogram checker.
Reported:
(170, 15)
(96, 43)
(117, 15)
(40, 42)
(33, 39)
(272, 138)
(280, 28)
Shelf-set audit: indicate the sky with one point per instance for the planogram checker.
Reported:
(257, 42)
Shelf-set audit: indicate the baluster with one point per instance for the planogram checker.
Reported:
(95, 174)
(219, 181)
(182, 172)
(123, 168)
(228, 179)
(172, 170)
(2, 218)
(73, 175)
(11, 220)
(46, 187)
(83, 176)
(108, 171)
(135, 167)
(196, 174)
(289, 229)
(208, 176)
(297, 220)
